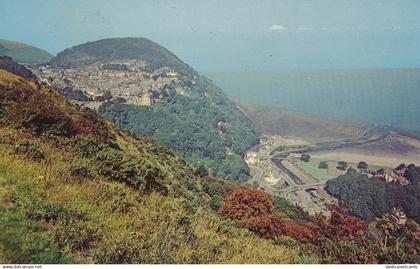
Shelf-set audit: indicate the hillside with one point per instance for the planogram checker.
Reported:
(373, 197)
(143, 87)
(23, 53)
(9, 65)
(76, 188)
(107, 50)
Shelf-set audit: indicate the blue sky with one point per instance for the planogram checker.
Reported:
(232, 35)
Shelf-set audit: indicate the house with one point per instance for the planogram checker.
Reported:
(390, 175)
(397, 216)
(172, 74)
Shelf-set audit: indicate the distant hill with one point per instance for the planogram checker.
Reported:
(106, 50)
(9, 65)
(145, 88)
(23, 53)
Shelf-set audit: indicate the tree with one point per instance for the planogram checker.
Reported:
(246, 203)
(401, 166)
(339, 226)
(362, 165)
(342, 165)
(201, 171)
(323, 165)
(305, 157)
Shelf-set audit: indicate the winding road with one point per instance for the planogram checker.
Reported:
(372, 134)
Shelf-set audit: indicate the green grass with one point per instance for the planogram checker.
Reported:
(104, 196)
(23, 240)
(54, 219)
(323, 175)
(26, 241)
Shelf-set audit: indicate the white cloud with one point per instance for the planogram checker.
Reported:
(281, 28)
(278, 28)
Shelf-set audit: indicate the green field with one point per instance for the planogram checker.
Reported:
(323, 175)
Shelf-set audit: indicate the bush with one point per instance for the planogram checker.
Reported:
(216, 202)
(294, 212)
(347, 252)
(122, 201)
(76, 234)
(26, 241)
(80, 170)
(305, 157)
(362, 165)
(253, 210)
(38, 207)
(342, 165)
(85, 146)
(323, 165)
(30, 150)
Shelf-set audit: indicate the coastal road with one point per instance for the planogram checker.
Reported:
(372, 134)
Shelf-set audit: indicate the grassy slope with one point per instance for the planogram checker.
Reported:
(62, 200)
(23, 53)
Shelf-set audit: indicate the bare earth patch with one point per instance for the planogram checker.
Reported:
(388, 152)
(300, 126)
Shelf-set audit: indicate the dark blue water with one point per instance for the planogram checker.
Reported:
(387, 96)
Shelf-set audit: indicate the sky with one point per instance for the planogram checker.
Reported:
(232, 34)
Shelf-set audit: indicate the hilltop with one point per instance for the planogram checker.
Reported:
(23, 53)
(143, 87)
(103, 51)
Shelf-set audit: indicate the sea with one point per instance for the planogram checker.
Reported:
(389, 97)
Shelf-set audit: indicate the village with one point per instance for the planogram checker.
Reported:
(126, 82)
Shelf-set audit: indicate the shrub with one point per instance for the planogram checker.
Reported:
(7, 137)
(122, 201)
(216, 202)
(323, 165)
(80, 170)
(76, 234)
(294, 212)
(305, 157)
(253, 210)
(26, 241)
(85, 146)
(342, 165)
(362, 165)
(42, 118)
(38, 207)
(30, 149)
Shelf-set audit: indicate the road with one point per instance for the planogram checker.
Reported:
(294, 182)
